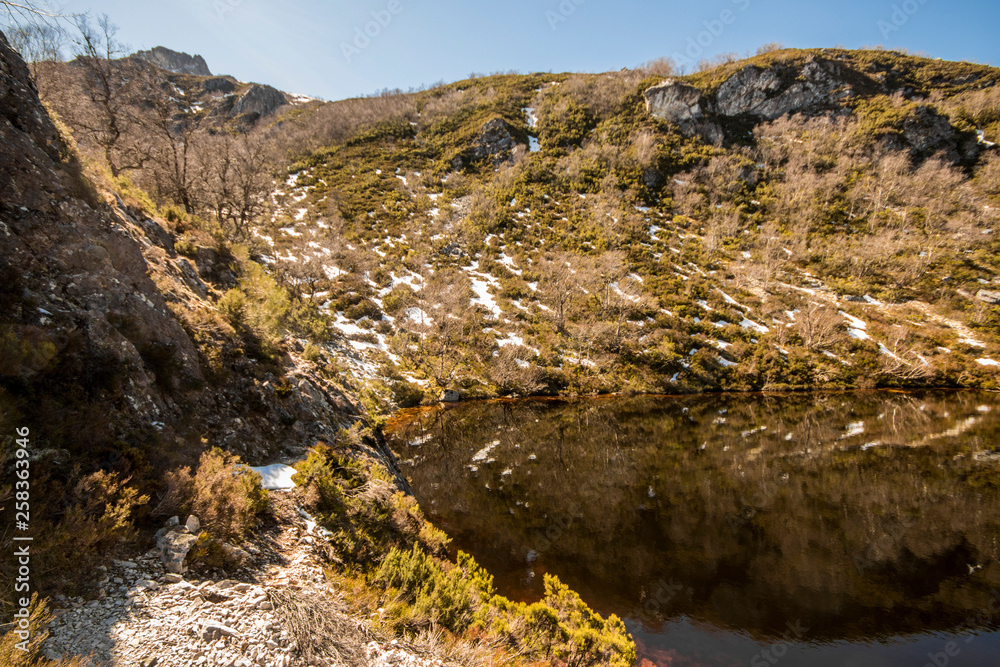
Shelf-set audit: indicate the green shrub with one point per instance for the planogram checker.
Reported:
(312, 353)
(406, 394)
(447, 598)
(398, 299)
(186, 247)
(460, 597)
(366, 308)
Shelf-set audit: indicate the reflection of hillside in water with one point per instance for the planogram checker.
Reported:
(855, 514)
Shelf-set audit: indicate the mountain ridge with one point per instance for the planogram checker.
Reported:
(177, 62)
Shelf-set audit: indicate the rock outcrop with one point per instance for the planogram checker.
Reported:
(258, 101)
(817, 86)
(86, 285)
(77, 280)
(925, 132)
(219, 84)
(769, 93)
(496, 143)
(675, 101)
(174, 61)
(762, 93)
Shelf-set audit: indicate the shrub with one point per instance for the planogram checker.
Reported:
(222, 493)
(312, 353)
(362, 309)
(11, 655)
(400, 298)
(264, 309)
(97, 521)
(448, 598)
(406, 395)
(186, 246)
(461, 597)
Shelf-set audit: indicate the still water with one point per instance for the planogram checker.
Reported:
(826, 529)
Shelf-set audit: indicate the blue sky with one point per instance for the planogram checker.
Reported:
(321, 49)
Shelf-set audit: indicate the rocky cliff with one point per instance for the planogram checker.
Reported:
(258, 100)
(99, 310)
(813, 86)
(175, 61)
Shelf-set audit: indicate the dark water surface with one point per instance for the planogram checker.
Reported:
(824, 529)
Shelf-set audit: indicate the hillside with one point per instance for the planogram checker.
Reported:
(201, 273)
(145, 363)
(802, 219)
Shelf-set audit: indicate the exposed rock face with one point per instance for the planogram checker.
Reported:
(927, 132)
(258, 101)
(175, 61)
(77, 288)
(496, 142)
(674, 101)
(819, 86)
(762, 93)
(770, 93)
(219, 84)
(77, 275)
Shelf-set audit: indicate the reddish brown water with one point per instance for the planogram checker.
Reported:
(811, 529)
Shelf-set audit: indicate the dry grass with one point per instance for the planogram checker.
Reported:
(323, 633)
(13, 656)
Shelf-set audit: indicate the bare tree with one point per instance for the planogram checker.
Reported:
(177, 170)
(818, 325)
(239, 180)
(448, 333)
(38, 42)
(557, 286)
(111, 84)
(29, 11)
(512, 372)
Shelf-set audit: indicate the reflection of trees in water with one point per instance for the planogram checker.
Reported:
(765, 507)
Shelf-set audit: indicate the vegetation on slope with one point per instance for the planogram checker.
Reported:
(629, 255)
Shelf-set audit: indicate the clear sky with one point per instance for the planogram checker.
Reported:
(322, 49)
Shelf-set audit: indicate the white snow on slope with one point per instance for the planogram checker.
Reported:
(276, 477)
(750, 324)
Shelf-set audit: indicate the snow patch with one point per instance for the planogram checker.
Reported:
(276, 477)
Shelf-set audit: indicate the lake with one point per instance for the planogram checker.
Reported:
(820, 529)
